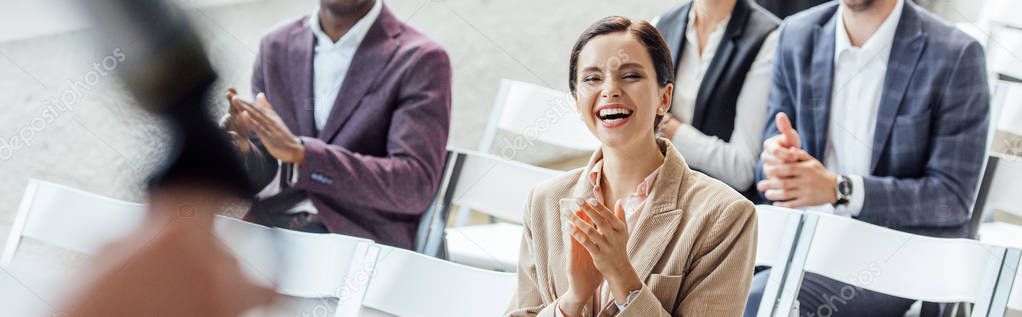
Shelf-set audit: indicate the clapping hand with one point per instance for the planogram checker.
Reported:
(274, 134)
(794, 179)
(604, 234)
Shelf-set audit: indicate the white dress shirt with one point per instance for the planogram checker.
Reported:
(732, 162)
(859, 74)
(332, 59)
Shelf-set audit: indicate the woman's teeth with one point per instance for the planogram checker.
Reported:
(614, 113)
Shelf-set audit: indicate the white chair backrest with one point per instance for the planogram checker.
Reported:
(907, 265)
(1006, 107)
(777, 234)
(535, 113)
(302, 264)
(1002, 192)
(253, 245)
(496, 186)
(1015, 298)
(409, 284)
(69, 218)
(777, 231)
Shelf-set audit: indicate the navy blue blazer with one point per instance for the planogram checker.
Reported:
(931, 126)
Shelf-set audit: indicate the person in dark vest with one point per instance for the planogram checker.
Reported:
(723, 52)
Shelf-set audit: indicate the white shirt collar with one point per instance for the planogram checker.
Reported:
(882, 39)
(353, 37)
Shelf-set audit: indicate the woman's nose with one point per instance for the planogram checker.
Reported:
(610, 90)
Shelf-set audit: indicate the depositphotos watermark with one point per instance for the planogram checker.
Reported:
(1013, 149)
(60, 104)
(557, 108)
(833, 303)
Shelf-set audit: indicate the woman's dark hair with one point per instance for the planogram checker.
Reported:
(644, 32)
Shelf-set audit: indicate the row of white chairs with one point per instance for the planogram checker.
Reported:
(362, 274)
(792, 242)
(363, 277)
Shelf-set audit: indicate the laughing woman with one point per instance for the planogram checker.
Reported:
(639, 233)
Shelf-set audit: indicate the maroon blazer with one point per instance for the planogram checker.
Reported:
(376, 165)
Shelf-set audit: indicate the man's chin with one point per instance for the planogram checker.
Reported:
(346, 7)
(858, 5)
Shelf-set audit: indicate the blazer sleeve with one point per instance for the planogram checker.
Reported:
(717, 282)
(779, 100)
(404, 180)
(528, 300)
(944, 194)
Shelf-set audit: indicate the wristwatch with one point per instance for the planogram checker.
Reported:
(844, 190)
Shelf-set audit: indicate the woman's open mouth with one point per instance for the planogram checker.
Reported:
(613, 116)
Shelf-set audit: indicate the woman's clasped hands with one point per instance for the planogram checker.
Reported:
(598, 253)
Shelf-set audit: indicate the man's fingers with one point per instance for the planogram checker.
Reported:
(777, 183)
(775, 147)
(797, 203)
(790, 135)
(781, 170)
(262, 102)
(769, 159)
(782, 153)
(781, 194)
(256, 114)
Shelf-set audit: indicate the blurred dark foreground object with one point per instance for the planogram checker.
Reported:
(167, 71)
(172, 265)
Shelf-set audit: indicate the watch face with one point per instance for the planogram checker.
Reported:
(845, 186)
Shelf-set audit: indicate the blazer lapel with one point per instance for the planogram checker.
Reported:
(300, 50)
(721, 60)
(908, 44)
(660, 219)
(371, 57)
(821, 83)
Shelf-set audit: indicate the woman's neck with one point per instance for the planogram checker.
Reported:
(625, 169)
(713, 11)
(709, 13)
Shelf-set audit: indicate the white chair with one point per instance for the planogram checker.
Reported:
(69, 218)
(410, 284)
(531, 113)
(1015, 298)
(536, 113)
(905, 265)
(64, 218)
(1003, 164)
(301, 264)
(778, 233)
(499, 188)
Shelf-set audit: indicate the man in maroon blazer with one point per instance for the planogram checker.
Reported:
(349, 125)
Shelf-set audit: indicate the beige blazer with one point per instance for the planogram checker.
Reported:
(694, 246)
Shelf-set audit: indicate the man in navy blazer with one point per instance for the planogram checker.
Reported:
(879, 112)
(349, 125)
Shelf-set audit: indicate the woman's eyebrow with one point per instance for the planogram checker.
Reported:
(630, 65)
(591, 69)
